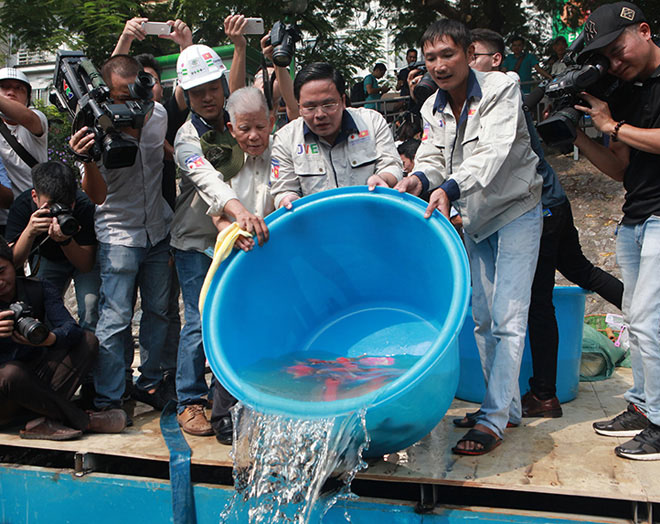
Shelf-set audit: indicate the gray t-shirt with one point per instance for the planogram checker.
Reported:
(20, 174)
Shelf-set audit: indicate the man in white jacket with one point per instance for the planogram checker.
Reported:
(475, 154)
(331, 145)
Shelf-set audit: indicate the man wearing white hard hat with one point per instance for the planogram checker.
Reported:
(28, 128)
(132, 227)
(208, 160)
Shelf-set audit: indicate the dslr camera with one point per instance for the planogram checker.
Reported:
(68, 223)
(283, 38)
(80, 90)
(426, 85)
(24, 322)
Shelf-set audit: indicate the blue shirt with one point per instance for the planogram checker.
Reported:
(371, 80)
(524, 70)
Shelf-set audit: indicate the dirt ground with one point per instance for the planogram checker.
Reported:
(596, 201)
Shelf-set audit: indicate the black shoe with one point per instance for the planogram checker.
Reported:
(87, 395)
(470, 420)
(224, 430)
(128, 390)
(645, 445)
(533, 406)
(156, 400)
(627, 424)
(168, 385)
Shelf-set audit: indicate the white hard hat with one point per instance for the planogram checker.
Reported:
(11, 73)
(197, 65)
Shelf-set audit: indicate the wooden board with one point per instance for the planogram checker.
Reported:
(142, 440)
(561, 456)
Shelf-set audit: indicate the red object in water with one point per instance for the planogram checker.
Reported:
(300, 370)
(330, 390)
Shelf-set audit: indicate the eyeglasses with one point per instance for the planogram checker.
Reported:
(325, 108)
(475, 55)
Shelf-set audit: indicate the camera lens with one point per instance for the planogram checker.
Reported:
(32, 329)
(68, 224)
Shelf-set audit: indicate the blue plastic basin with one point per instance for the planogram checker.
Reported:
(569, 308)
(348, 272)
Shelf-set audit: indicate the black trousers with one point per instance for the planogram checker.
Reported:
(560, 249)
(223, 401)
(46, 384)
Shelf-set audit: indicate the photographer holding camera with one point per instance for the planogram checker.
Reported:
(52, 226)
(43, 356)
(132, 228)
(620, 33)
(273, 80)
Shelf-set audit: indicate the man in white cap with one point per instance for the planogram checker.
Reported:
(621, 34)
(28, 128)
(209, 161)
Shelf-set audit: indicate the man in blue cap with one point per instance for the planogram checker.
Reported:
(620, 33)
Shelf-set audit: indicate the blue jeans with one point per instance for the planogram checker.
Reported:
(122, 268)
(502, 268)
(86, 285)
(191, 386)
(169, 351)
(638, 256)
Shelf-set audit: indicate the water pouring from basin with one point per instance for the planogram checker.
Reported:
(347, 274)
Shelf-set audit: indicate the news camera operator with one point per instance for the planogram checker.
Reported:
(621, 34)
(132, 228)
(43, 356)
(52, 226)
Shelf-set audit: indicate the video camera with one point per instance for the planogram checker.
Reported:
(283, 38)
(564, 89)
(28, 326)
(80, 90)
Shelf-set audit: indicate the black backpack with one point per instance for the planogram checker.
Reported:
(357, 92)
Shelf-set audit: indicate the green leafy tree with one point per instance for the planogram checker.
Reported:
(95, 25)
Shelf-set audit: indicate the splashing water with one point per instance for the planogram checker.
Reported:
(281, 465)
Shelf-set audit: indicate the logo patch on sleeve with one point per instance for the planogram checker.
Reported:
(194, 161)
(471, 112)
(425, 134)
(275, 168)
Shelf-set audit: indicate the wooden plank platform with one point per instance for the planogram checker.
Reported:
(555, 456)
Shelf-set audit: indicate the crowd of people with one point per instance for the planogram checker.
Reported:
(479, 162)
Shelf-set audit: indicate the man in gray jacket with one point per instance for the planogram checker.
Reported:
(330, 146)
(475, 154)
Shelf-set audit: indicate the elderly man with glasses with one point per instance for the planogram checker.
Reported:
(331, 145)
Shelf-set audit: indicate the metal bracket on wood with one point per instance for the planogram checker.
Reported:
(648, 518)
(84, 463)
(428, 498)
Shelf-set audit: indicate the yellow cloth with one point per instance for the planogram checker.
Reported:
(224, 243)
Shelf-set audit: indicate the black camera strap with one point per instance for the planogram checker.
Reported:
(20, 150)
(268, 88)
